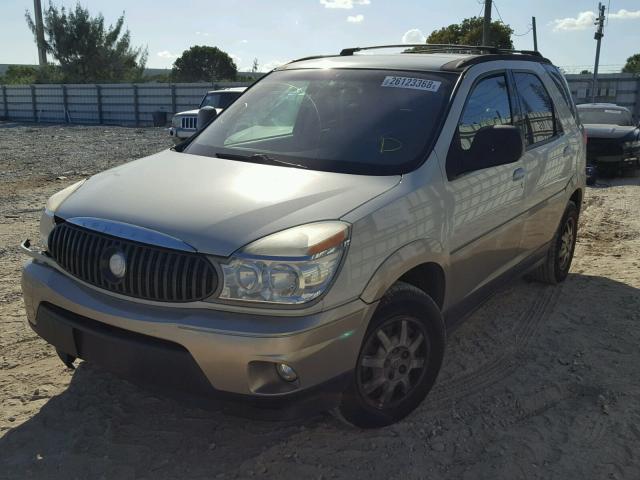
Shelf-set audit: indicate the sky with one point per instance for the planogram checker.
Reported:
(275, 31)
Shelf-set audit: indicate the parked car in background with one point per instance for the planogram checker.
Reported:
(184, 124)
(613, 140)
(311, 247)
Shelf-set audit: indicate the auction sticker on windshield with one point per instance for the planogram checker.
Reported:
(410, 82)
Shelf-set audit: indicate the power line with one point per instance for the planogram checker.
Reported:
(514, 34)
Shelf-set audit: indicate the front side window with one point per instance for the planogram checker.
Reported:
(487, 105)
(372, 122)
(538, 122)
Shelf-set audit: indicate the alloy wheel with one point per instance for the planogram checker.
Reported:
(393, 362)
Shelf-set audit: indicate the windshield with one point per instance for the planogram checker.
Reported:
(605, 116)
(219, 99)
(374, 122)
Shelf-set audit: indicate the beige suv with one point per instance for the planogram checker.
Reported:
(311, 246)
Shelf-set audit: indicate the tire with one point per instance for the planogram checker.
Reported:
(556, 264)
(404, 359)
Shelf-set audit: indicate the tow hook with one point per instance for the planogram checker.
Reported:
(66, 359)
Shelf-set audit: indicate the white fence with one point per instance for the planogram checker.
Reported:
(112, 104)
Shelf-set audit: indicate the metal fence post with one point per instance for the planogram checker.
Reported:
(34, 106)
(173, 99)
(4, 102)
(135, 104)
(99, 98)
(65, 105)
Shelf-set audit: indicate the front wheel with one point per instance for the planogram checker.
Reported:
(399, 360)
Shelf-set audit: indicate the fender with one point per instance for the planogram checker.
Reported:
(401, 261)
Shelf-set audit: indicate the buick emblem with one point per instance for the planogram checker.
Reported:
(118, 264)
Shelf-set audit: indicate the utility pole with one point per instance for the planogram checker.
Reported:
(598, 37)
(535, 34)
(487, 23)
(42, 53)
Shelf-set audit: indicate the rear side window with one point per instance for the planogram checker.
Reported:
(538, 119)
(487, 105)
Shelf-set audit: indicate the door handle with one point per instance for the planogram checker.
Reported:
(518, 174)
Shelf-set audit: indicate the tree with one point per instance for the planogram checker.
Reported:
(255, 66)
(86, 50)
(204, 64)
(469, 32)
(633, 64)
(585, 72)
(26, 75)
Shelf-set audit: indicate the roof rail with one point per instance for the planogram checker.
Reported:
(447, 48)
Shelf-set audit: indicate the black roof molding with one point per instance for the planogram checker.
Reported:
(475, 53)
(464, 63)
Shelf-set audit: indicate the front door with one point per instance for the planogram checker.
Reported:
(486, 223)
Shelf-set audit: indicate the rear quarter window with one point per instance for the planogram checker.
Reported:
(562, 87)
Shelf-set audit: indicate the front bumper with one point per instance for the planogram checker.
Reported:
(198, 350)
(179, 134)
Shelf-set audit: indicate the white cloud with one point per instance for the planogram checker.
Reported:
(244, 42)
(343, 3)
(583, 21)
(167, 55)
(237, 60)
(355, 18)
(625, 15)
(586, 20)
(414, 35)
(204, 34)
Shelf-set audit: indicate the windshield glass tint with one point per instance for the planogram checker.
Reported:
(219, 100)
(605, 116)
(375, 122)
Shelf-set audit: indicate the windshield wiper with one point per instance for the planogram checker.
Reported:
(260, 158)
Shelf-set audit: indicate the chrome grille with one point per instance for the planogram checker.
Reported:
(152, 273)
(189, 122)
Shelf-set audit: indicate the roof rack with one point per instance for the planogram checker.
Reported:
(446, 48)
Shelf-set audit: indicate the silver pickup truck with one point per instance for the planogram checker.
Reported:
(183, 124)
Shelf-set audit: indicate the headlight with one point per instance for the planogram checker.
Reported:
(289, 267)
(631, 145)
(47, 221)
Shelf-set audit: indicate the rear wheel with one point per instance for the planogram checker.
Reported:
(555, 267)
(399, 360)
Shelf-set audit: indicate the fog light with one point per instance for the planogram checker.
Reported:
(286, 372)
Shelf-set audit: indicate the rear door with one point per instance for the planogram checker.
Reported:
(552, 143)
(486, 222)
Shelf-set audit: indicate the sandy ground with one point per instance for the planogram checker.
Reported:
(540, 382)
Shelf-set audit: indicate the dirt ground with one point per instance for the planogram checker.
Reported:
(540, 382)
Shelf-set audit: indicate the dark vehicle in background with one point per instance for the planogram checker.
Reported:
(613, 140)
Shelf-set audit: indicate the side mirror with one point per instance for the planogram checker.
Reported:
(206, 115)
(496, 145)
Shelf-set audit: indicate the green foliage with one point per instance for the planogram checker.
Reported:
(203, 64)
(585, 72)
(633, 64)
(469, 32)
(26, 75)
(87, 51)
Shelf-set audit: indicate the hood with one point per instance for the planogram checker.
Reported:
(193, 112)
(608, 131)
(218, 205)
